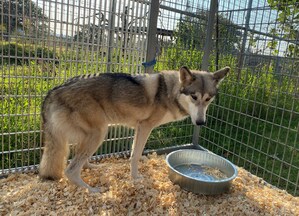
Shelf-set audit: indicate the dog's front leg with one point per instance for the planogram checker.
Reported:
(142, 132)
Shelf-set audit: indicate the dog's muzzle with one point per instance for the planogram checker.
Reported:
(200, 122)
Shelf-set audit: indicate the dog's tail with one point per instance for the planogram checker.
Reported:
(55, 153)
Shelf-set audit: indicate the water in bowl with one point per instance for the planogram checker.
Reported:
(194, 171)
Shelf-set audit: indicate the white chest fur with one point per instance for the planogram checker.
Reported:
(170, 117)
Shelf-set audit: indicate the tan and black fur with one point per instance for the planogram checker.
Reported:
(80, 111)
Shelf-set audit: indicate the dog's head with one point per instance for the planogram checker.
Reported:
(199, 89)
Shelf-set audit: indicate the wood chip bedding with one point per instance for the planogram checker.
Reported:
(214, 172)
(25, 194)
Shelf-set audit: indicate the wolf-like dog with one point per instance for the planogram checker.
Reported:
(80, 110)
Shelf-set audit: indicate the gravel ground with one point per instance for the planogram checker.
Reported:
(25, 194)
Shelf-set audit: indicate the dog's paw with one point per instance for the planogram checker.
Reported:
(94, 190)
(137, 178)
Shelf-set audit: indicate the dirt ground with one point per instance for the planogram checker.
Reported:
(25, 194)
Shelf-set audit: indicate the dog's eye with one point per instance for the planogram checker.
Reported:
(208, 99)
(194, 97)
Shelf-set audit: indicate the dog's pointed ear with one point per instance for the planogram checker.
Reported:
(186, 76)
(220, 74)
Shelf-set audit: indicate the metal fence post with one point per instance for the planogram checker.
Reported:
(241, 58)
(152, 42)
(111, 34)
(206, 56)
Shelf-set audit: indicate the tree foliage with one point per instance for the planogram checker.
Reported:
(23, 15)
(191, 32)
(288, 20)
(90, 34)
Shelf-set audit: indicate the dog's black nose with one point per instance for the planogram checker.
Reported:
(200, 122)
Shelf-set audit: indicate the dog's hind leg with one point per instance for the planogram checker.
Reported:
(88, 145)
(88, 165)
(54, 156)
(142, 132)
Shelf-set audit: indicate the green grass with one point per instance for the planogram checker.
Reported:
(254, 122)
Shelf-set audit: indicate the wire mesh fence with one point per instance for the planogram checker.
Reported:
(254, 122)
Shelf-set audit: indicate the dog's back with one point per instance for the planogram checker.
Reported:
(117, 98)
